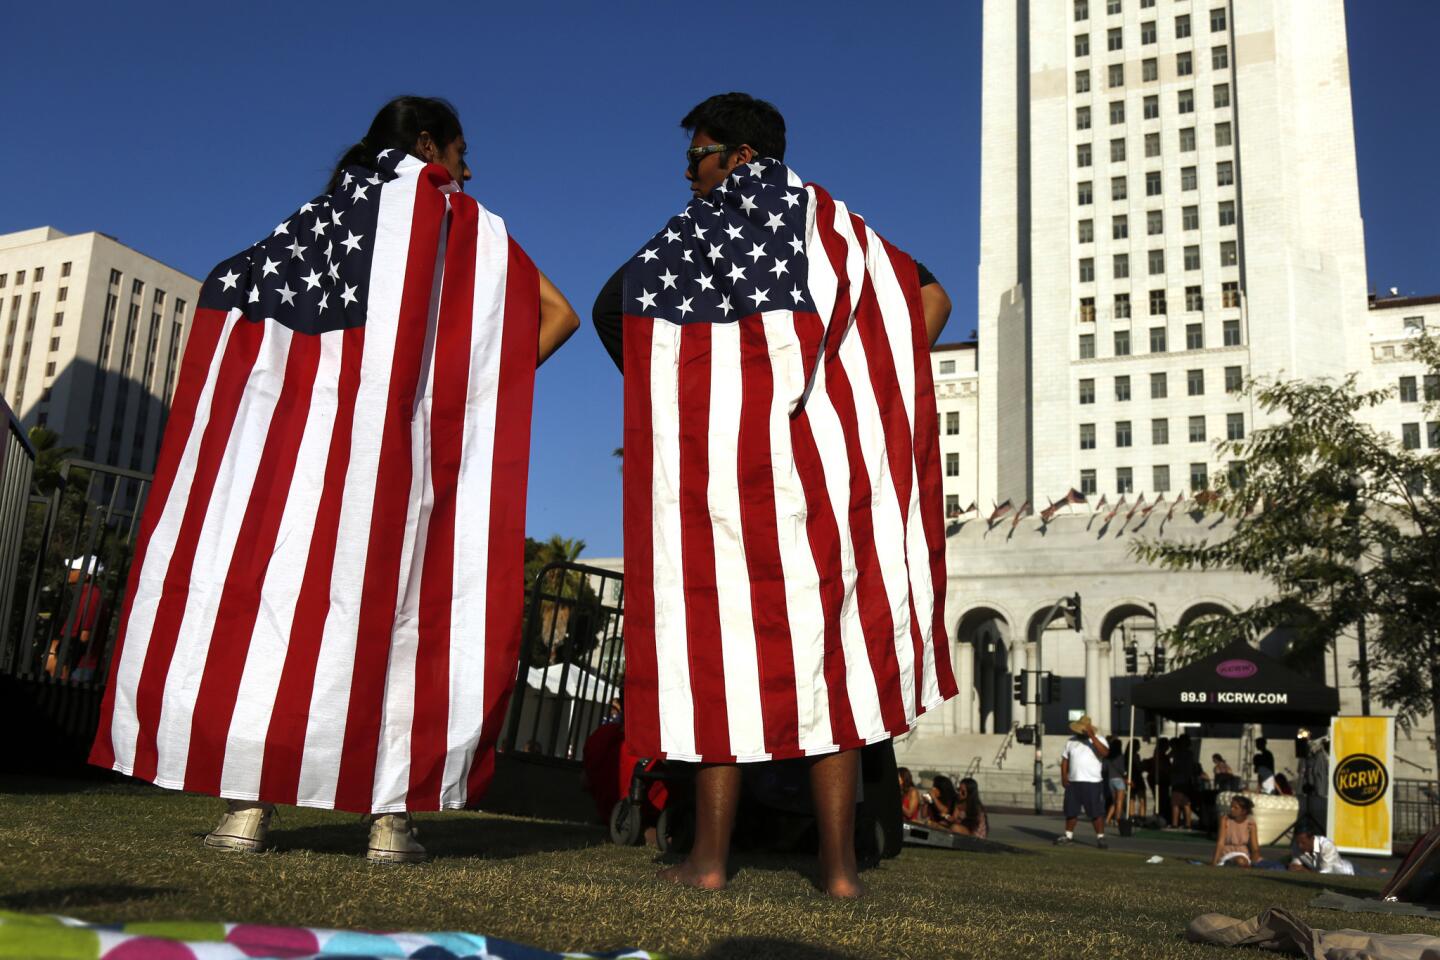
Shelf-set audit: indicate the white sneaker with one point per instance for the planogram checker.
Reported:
(392, 840)
(243, 827)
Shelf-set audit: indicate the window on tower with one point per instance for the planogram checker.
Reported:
(1087, 231)
(1082, 154)
(1194, 334)
(1222, 95)
(1087, 436)
(1119, 227)
(1087, 391)
(1223, 135)
(1122, 433)
(1197, 429)
(1157, 345)
(1184, 64)
(1182, 26)
(1217, 19)
(1082, 118)
(1122, 343)
(1118, 188)
(1124, 480)
(1087, 482)
(1192, 262)
(1160, 431)
(1084, 193)
(1150, 70)
(1224, 173)
(1199, 477)
(1235, 426)
(1234, 380)
(1122, 306)
(1190, 218)
(1195, 383)
(1087, 269)
(1227, 213)
(1194, 301)
(1154, 222)
(1187, 140)
(1147, 32)
(1087, 309)
(1160, 481)
(1157, 262)
(1230, 297)
(1186, 101)
(1122, 389)
(1230, 333)
(1114, 39)
(1188, 179)
(1082, 45)
(1082, 81)
(1117, 75)
(1220, 58)
(1157, 303)
(1152, 110)
(1159, 386)
(1117, 111)
(1229, 255)
(1152, 183)
(1122, 266)
(1082, 10)
(1117, 150)
(1087, 346)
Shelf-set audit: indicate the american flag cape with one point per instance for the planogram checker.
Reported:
(324, 604)
(784, 541)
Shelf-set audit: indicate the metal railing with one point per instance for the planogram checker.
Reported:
(1417, 808)
(17, 463)
(571, 665)
(84, 535)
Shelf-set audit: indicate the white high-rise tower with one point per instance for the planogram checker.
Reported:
(1169, 204)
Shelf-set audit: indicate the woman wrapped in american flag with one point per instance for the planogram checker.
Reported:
(324, 605)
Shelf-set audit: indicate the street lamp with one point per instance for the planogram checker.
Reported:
(1354, 510)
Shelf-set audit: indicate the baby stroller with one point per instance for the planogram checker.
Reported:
(776, 811)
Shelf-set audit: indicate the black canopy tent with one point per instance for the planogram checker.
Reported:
(1238, 684)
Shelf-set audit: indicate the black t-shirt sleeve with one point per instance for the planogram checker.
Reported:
(607, 316)
(926, 277)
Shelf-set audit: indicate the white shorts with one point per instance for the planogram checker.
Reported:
(1234, 855)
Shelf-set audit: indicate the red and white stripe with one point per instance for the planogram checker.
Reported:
(324, 606)
(784, 564)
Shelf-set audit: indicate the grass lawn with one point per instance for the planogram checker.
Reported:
(108, 853)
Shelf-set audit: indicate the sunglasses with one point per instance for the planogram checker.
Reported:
(695, 154)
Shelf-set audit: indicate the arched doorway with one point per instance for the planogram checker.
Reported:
(983, 634)
(1128, 624)
(1062, 654)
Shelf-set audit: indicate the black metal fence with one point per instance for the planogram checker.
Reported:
(571, 665)
(1417, 809)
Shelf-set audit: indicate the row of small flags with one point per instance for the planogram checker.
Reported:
(1000, 511)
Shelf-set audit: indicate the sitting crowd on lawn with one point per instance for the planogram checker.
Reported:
(945, 806)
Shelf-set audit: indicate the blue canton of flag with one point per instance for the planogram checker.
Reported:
(312, 274)
(737, 253)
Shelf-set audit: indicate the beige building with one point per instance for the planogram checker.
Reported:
(91, 334)
(1169, 203)
(955, 367)
(1391, 322)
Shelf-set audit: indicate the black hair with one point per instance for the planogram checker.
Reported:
(973, 807)
(906, 778)
(1260, 742)
(1246, 804)
(396, 127)
(738, 118)
(949, 796)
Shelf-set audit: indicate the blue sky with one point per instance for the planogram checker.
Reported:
(187, 130)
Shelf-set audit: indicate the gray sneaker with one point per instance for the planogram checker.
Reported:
(243, 828)
(1061, 840)
(1100, 842)
(392, 840)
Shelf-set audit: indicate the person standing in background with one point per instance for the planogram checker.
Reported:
(1082, 772)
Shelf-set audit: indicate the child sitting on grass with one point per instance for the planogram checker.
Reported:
(1237, 841)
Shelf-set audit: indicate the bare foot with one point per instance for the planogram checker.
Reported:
(690, 875)
(844, 887)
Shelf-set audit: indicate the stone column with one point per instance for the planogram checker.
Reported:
(1107, 666)
(1092, 679)
(1019, 661)
(963, 705)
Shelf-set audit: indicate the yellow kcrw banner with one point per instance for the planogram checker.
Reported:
(1362, 798)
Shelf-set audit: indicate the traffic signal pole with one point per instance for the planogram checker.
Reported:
(1073, 603)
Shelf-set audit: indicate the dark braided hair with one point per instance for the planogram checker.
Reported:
(396, 127)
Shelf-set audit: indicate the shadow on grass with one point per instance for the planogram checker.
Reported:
(767, 948)
(1321, 882)
(447, 838)
(80, 895)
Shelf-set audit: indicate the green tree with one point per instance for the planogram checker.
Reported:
(1343, 521)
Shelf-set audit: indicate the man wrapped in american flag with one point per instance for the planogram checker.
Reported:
(324, 605)
(784, 544)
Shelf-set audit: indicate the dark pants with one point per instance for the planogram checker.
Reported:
(1089, 797)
